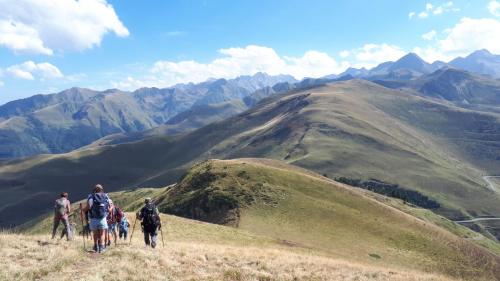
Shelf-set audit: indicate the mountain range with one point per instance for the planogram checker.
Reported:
(412, 66)
(354, 129)
(76, 117)
(432, 137)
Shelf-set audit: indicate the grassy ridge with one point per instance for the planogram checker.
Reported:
(289, 206)
(193, 251)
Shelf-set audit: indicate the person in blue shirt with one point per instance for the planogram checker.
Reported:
(123, 228)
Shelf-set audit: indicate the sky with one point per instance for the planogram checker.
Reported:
(47, 46)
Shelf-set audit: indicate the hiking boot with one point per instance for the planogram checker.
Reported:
(153, 244)
(102, 249)
(109, 243)
(96, 249)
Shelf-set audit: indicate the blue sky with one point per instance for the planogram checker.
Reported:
(50, 45)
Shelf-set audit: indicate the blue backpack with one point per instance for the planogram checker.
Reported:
(100, 205)
(124, 224)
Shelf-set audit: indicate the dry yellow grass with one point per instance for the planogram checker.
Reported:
(28, 259)
(203, 252)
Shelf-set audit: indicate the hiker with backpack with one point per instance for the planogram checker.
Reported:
(98, 207)
(114, 217)
(124, 225)
(62, 208)
(150, 222)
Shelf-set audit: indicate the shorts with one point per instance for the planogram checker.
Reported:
(112, 226)
(96, 224)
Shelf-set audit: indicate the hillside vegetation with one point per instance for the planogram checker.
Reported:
(296, 208)
(354, 129)
(76, 117)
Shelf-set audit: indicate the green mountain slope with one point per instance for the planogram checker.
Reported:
(354, 129)
(184, 122)
(76, 117)
(290, 206)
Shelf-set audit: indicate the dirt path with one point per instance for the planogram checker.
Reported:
(478, 219)
(491, 185)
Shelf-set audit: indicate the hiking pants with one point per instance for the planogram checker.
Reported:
(150, 234)
(67, 227)
(123, 233)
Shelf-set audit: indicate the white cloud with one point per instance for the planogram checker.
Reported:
(472, 34)
(232, 63)
(429, 35)
(130, 83)
(466, 36)
(45, 26)
(30, 70)
(431, 9)
(494, 8)
(370, 55)
(344, 54)
(423, 15)
(252, 59)
(313, 64)
(20, 37)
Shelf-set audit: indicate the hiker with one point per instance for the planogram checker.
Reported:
(150, 222)
(62, 208)
(98, 207)
(114, 217)
(124, 225)
(72, 228)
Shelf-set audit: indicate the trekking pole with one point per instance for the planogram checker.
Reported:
(132, 234)
(161, 232)
(83, 227)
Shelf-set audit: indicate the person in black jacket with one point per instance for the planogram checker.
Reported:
(150, 222)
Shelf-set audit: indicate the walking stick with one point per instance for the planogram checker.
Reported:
(161, 232)
(132, 234)
(83, 227)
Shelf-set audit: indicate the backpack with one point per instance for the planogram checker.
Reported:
(123, 224)
(115, 216)
(60, 207)
(118, 213)
(150, 216)
(100, 205)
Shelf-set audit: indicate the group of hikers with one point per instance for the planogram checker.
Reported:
(101, 217)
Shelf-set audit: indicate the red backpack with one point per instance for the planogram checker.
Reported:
(118, 213)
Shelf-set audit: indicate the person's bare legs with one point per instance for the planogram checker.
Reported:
(95, 234)
(114, 234)
(102, 238)
(106, 236)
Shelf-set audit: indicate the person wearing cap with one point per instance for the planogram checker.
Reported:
(98, 208)
(150, 222)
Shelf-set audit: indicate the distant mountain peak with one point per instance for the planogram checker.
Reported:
(412, 62)
(480, 53)
(480, 61)
(411, 58)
